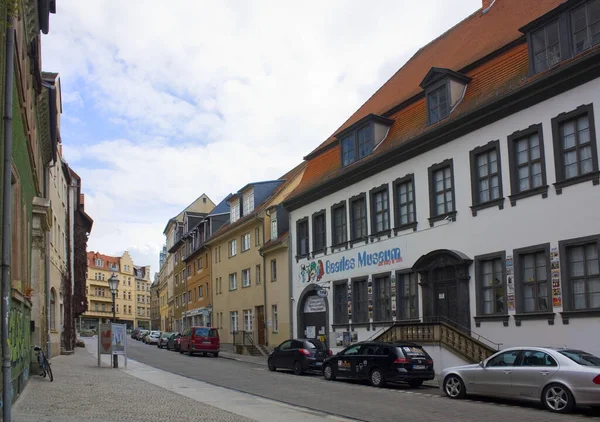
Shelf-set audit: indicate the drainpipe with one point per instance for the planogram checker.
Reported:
(290, 274)
(6, 217)
(47, 269)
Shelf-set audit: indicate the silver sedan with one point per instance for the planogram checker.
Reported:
(560, 378)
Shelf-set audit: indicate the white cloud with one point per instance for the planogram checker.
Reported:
(211, 96)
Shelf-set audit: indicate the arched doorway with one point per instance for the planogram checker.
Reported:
(445, 286)
(313, 314)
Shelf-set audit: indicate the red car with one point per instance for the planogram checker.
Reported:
(200, 340)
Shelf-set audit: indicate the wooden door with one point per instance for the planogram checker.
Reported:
(260, 324)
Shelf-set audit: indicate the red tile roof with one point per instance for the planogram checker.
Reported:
(471, 40)
(92, 256)
(459, 49)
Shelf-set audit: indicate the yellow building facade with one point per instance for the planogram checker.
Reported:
(100, 269)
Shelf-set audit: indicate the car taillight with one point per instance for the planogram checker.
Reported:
(401, 360)
(597, 380)
(329, 352)
(430, 361)
(305, 352)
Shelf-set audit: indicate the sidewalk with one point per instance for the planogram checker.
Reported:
(82, 391)
(261, 360)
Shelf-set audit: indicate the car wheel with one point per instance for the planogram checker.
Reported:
(216, 354)
(180, 351)
(271, 366)
(376, 378)
(204, 354)
(415, 383)
(557, 398)
(298, 368)
(454, 387)
(190, 353)
(328, 373)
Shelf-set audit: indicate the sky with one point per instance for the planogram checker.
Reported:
(164, 101)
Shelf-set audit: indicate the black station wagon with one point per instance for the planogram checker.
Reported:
(380, 363)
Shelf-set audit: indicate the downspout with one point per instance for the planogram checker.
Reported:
(47, 269)
(290, 274)
(6, 217)
(264, 271)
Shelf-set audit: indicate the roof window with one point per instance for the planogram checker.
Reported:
(444, 89)
(360, 139)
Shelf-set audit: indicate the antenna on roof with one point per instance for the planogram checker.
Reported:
(487, 5)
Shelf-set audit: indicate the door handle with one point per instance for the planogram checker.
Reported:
(544, 372)
(507, 372)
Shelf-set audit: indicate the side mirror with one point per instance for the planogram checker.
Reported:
(481, 364)
(276, 349)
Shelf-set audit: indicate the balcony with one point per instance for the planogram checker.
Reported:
(99, 298)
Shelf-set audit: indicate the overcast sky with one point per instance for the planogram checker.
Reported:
(164, 101)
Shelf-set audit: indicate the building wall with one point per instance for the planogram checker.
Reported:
(534, 220)
(226, 301)
(142, 299)
(278, 294)
(180, 288)
(58, 252)
(199, 276)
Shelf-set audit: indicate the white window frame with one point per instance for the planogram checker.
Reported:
(246, 281)
(273, 228)
(245, 242)
(249, 203)
(234, 213)
(233, 281)
(233, 248)
(234, 321)
(248, 320)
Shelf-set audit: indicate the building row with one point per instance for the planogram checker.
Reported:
(456, 207)
(44, 278)
(132, 298)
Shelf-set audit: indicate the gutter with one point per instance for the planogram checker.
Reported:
(6, 217)
(290, 275)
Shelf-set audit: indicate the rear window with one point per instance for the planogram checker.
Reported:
(314, 344)
(206, 332)
(410, 351)
(580, 357)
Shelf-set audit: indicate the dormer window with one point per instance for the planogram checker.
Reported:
(234, 211)
(444, 89)
(360, 139)
(248, 202)
(562, 33)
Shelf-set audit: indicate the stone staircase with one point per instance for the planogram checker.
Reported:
(461, 341)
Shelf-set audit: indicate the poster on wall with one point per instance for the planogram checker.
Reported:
(393, 291)
(346, 341)
(311, 332)
(339, 339)
(556, 290)
(510, 283)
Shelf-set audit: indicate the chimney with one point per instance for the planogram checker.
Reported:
(486, 5)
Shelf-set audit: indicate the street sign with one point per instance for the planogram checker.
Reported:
(322, 293)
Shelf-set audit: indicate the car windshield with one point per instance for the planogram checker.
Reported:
(202, 332)
(580, 357)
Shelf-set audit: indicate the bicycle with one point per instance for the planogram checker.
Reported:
(44, 364)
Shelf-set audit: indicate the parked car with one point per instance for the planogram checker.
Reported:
(141, 334)
(173, 343)
(380, 363)
(135, 332)
(300, 355)
(152, 338)
(560, 378)
(145, 335)
(200, 340)
(163, 339)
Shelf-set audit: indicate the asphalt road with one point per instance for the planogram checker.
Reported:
(344, 398)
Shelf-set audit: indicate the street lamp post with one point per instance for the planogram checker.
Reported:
(113, 285)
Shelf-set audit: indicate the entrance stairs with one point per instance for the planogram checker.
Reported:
(466, 344)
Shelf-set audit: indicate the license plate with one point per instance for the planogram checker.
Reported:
(418, 366)
(318, 363)
(206, 342)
